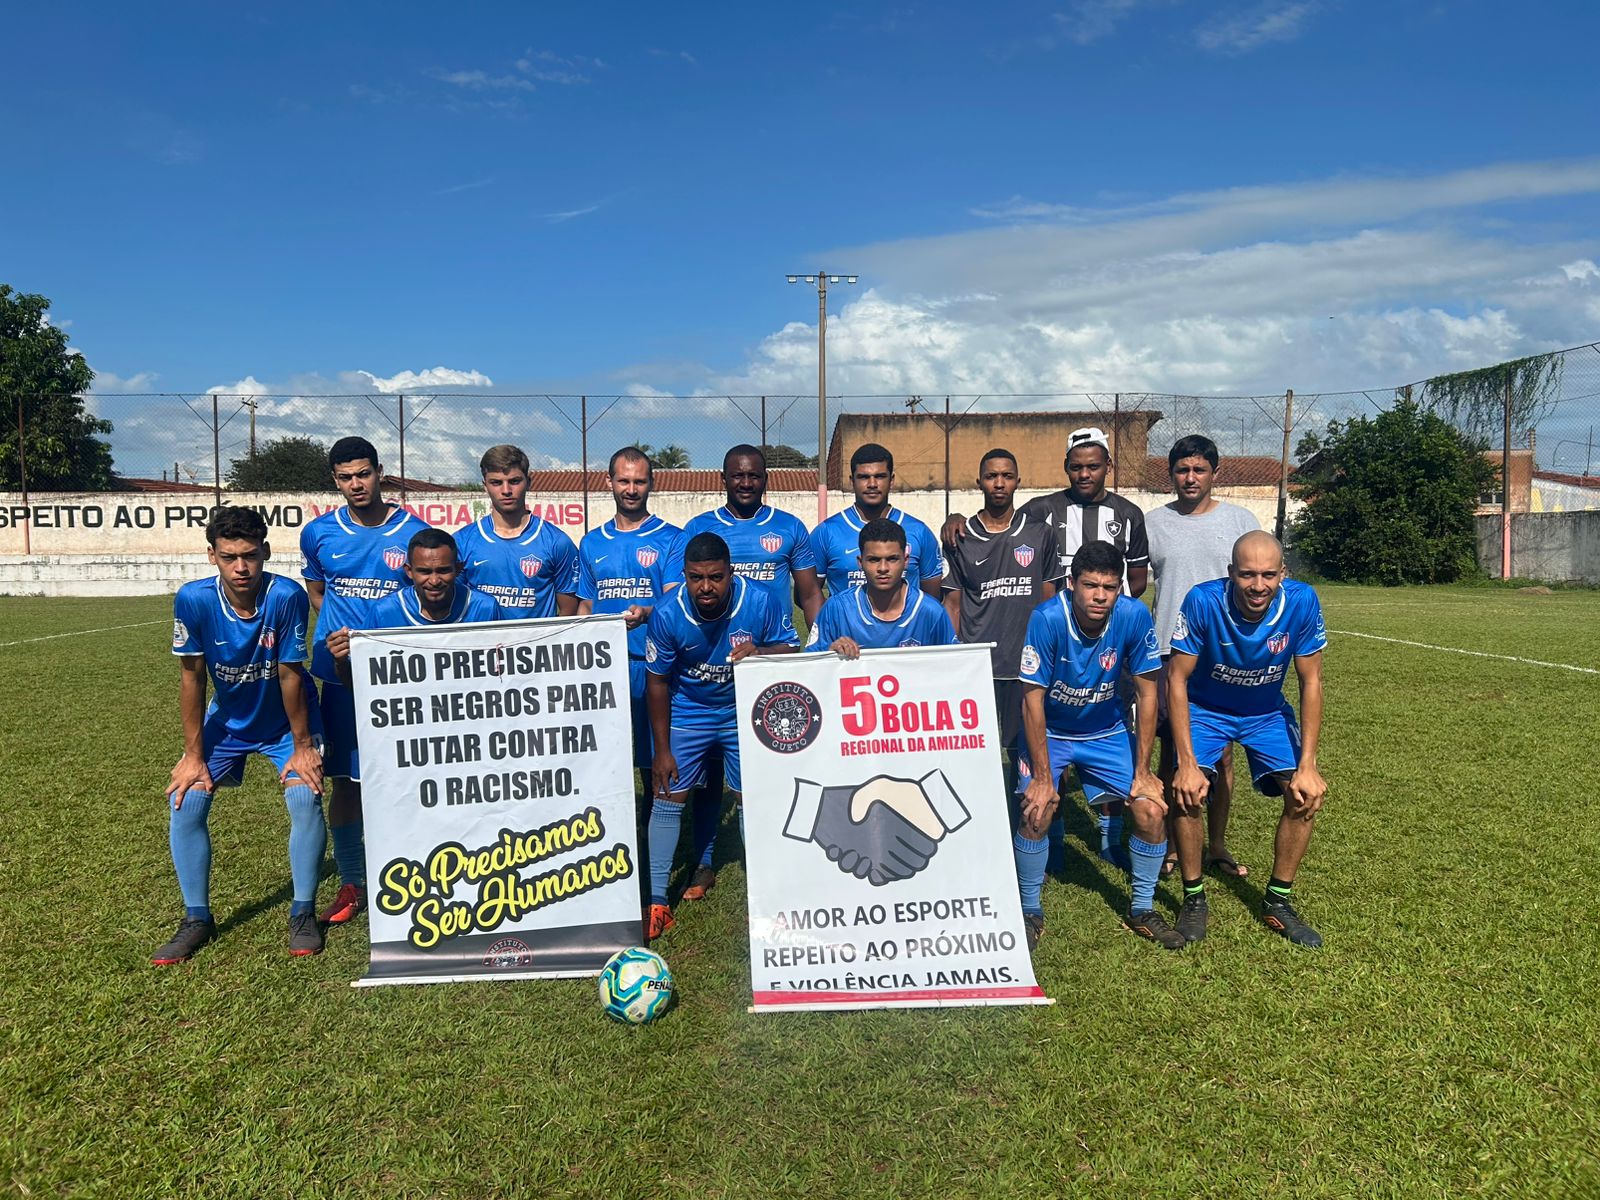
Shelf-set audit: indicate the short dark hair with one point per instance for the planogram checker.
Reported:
(881, 529)
(432, 539)
(1196, 445)
(996, 453)
(632, 454)
(232, 522)
(871, 453)
(742, 450)
(1098, 556)
(349, 449)
(504, 458)
(706, 547)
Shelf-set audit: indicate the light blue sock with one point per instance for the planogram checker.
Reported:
(666, 824)
(350, 853)
(308, 834)
(1031, 856)
(1147, 858)
(1110, 830)
(190, 837)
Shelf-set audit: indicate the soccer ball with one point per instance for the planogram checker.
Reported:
(635, 986)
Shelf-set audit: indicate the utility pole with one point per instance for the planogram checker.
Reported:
(1283, 465)
(821, 281)
(252, 404)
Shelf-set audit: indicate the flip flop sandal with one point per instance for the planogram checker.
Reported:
(1226, 864)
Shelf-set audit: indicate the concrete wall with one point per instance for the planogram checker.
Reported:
(146, 544)
(1557, 547)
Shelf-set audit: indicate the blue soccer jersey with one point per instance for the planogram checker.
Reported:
(692, 652)
(243, 653)
(767, 549)
(405, 608)
(620, 568)
(357, 565)
(1079, 673)
(525, 573)
(1241, 665)
(849, 614)
(837, 543)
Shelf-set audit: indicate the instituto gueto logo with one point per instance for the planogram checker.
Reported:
(787, 717)
(508, 953)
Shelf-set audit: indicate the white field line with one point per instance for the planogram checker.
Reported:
(1531, 662)
(49, 637)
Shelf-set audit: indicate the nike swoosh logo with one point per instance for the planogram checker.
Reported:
(979, 562)
(346, 554)
(219, 643)
(478, 562)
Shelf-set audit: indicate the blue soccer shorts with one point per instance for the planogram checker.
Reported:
(1104, 765)
(693, 747)
(1271, 742)
(341, 759)
(225, 753)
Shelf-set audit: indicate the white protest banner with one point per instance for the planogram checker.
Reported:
(879, 849)
(497, 790)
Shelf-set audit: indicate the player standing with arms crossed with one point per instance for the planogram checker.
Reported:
(1078, 647)
(528, 565)
(694, 637)
(772, 549)
(627, 566)
(885, 611)
(1231, 651)
(354, 557)
(836, 541)
(247, 629)
(1191, 540)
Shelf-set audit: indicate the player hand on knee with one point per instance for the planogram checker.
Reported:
(1304, 792)
(664, 773)
(846, 647)
(191, 772)
(1147, 787)
(1039, 805)
(306, 765)
(1189, 788)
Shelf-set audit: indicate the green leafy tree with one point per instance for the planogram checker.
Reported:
(286, 464)
(783, 455)
(665, 458)
(1390, 499)
(47, 380)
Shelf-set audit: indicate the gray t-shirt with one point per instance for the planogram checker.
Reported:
(1185, 551)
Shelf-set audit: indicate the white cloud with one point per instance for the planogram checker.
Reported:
(1241, 30)
(1086, 21)
(421, 381)
(550, 67)
(481, 81)
(110, 381)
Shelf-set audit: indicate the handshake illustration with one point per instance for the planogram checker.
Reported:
(883, 830)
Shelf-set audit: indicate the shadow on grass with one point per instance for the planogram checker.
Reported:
(280, 895)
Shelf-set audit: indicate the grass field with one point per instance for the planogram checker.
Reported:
(1446, 1042)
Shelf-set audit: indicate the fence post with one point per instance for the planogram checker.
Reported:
(947, 458)
(216, 453)
(1505, 489)
(1283, 466)
(583, 437)
(1116, 440)
(22, 469)
(763, 427)
(402, 450)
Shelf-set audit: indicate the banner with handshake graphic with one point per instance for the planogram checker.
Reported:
(877, 840)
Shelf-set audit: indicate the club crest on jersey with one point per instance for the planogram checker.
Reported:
(772, 542)
(904, 642)
(1113, 528)
(394, 558)
(647, 556)
(737, 639)
(1278, 643)
(1108, 659)
(1024, 555)
(531, 566)
(268, 639)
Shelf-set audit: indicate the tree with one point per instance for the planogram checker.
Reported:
(1390, 499)
(285, 464)
(39, 374)
(665, 458)
(783, 455)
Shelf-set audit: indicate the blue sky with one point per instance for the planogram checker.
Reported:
(1094, 194)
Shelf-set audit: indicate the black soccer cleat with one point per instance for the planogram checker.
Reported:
(1151, 924)
(1192, 917)
(191, 935)
(305, 935)
(1280, 917)
(1033, 926)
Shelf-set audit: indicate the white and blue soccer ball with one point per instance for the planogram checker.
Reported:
(635, 986)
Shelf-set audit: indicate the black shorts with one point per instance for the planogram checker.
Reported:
(1008, 710)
